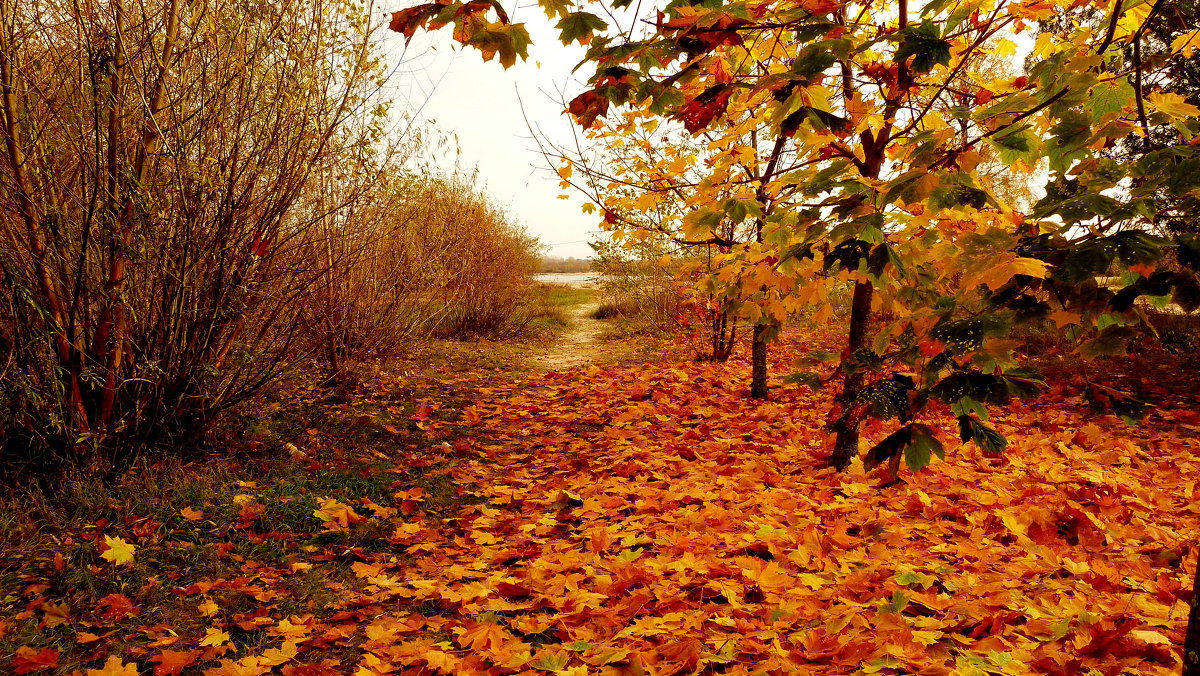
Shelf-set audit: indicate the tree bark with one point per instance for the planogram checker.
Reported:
(845, 446)
(758, 363)
(1191, 640)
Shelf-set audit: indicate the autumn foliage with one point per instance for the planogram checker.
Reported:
(646, 520)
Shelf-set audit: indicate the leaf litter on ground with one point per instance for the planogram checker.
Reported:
(653, 520)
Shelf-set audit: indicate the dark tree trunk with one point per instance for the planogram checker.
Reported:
(758, 363)
(845, 446)
(1191, 640)
(723, 335)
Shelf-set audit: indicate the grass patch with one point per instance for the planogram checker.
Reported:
(550, 308)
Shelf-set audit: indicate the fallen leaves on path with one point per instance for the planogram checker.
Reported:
(653, 520)
(656, 521)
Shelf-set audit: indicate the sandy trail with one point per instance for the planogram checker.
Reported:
(579, 345)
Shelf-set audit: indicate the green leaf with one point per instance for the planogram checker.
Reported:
(924, 41)
(811, 62)
(922, 446)
(966, 405)
(898, 603)
(579, 26)
(882, 256)
(553, 8)
(1110, 341)
(1135, 247)
(1123, 404)
(971, 429)
(739, 210)
(506, 40)
(808, 378)
(1016, 144)
(1109, 98)
(551, 661)
(1188, 250)
(910, 577)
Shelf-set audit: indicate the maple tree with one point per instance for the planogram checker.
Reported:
(849, 135)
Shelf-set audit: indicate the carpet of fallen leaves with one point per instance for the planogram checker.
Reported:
(653, 520)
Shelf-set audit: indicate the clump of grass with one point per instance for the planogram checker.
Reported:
(612, 309)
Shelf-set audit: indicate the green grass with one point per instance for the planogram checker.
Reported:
(550, 306)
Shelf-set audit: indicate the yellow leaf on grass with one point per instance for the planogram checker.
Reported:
(191, 514)
(214, 637)
(337, 514)
(277, 656)
(208, 608)
(119, 551)
(115, 667)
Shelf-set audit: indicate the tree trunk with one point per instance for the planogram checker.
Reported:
(845, 446)
(1191, 640)
(758, 363)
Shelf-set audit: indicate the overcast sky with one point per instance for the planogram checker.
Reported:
(481, 104)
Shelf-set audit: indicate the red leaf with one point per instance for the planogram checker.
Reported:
(115, 607)
(407, 21)
(700, 111)
(29, 660)
(172, 662)
(587, 107)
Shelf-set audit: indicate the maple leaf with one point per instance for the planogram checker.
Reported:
(1173, 105)
(484, 636)
(191, 514)
(116, 607)
(337, 515)
(55, 614)
(29, 660)
(214, 637)
(699, 113)
(588, 106)
(407, 21)
(118, 551)
(114, 667)
(579, 26)
(172, 662)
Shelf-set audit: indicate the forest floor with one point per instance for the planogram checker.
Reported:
(484, 510)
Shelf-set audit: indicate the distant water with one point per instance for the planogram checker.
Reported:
(568, 278)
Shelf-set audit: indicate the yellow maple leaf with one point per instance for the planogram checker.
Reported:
(119, 551)
(336, 515)
(214, 637)
(999, 274)
(1186, 44)
(484, 636)
(115, 667)
(208, 608)
(1172, 104)
(277, 656)
(191, 514)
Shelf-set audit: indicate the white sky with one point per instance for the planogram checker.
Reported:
(481, 105)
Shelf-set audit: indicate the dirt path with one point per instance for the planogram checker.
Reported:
(579, 345)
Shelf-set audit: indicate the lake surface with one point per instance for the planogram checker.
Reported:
(568, 278)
